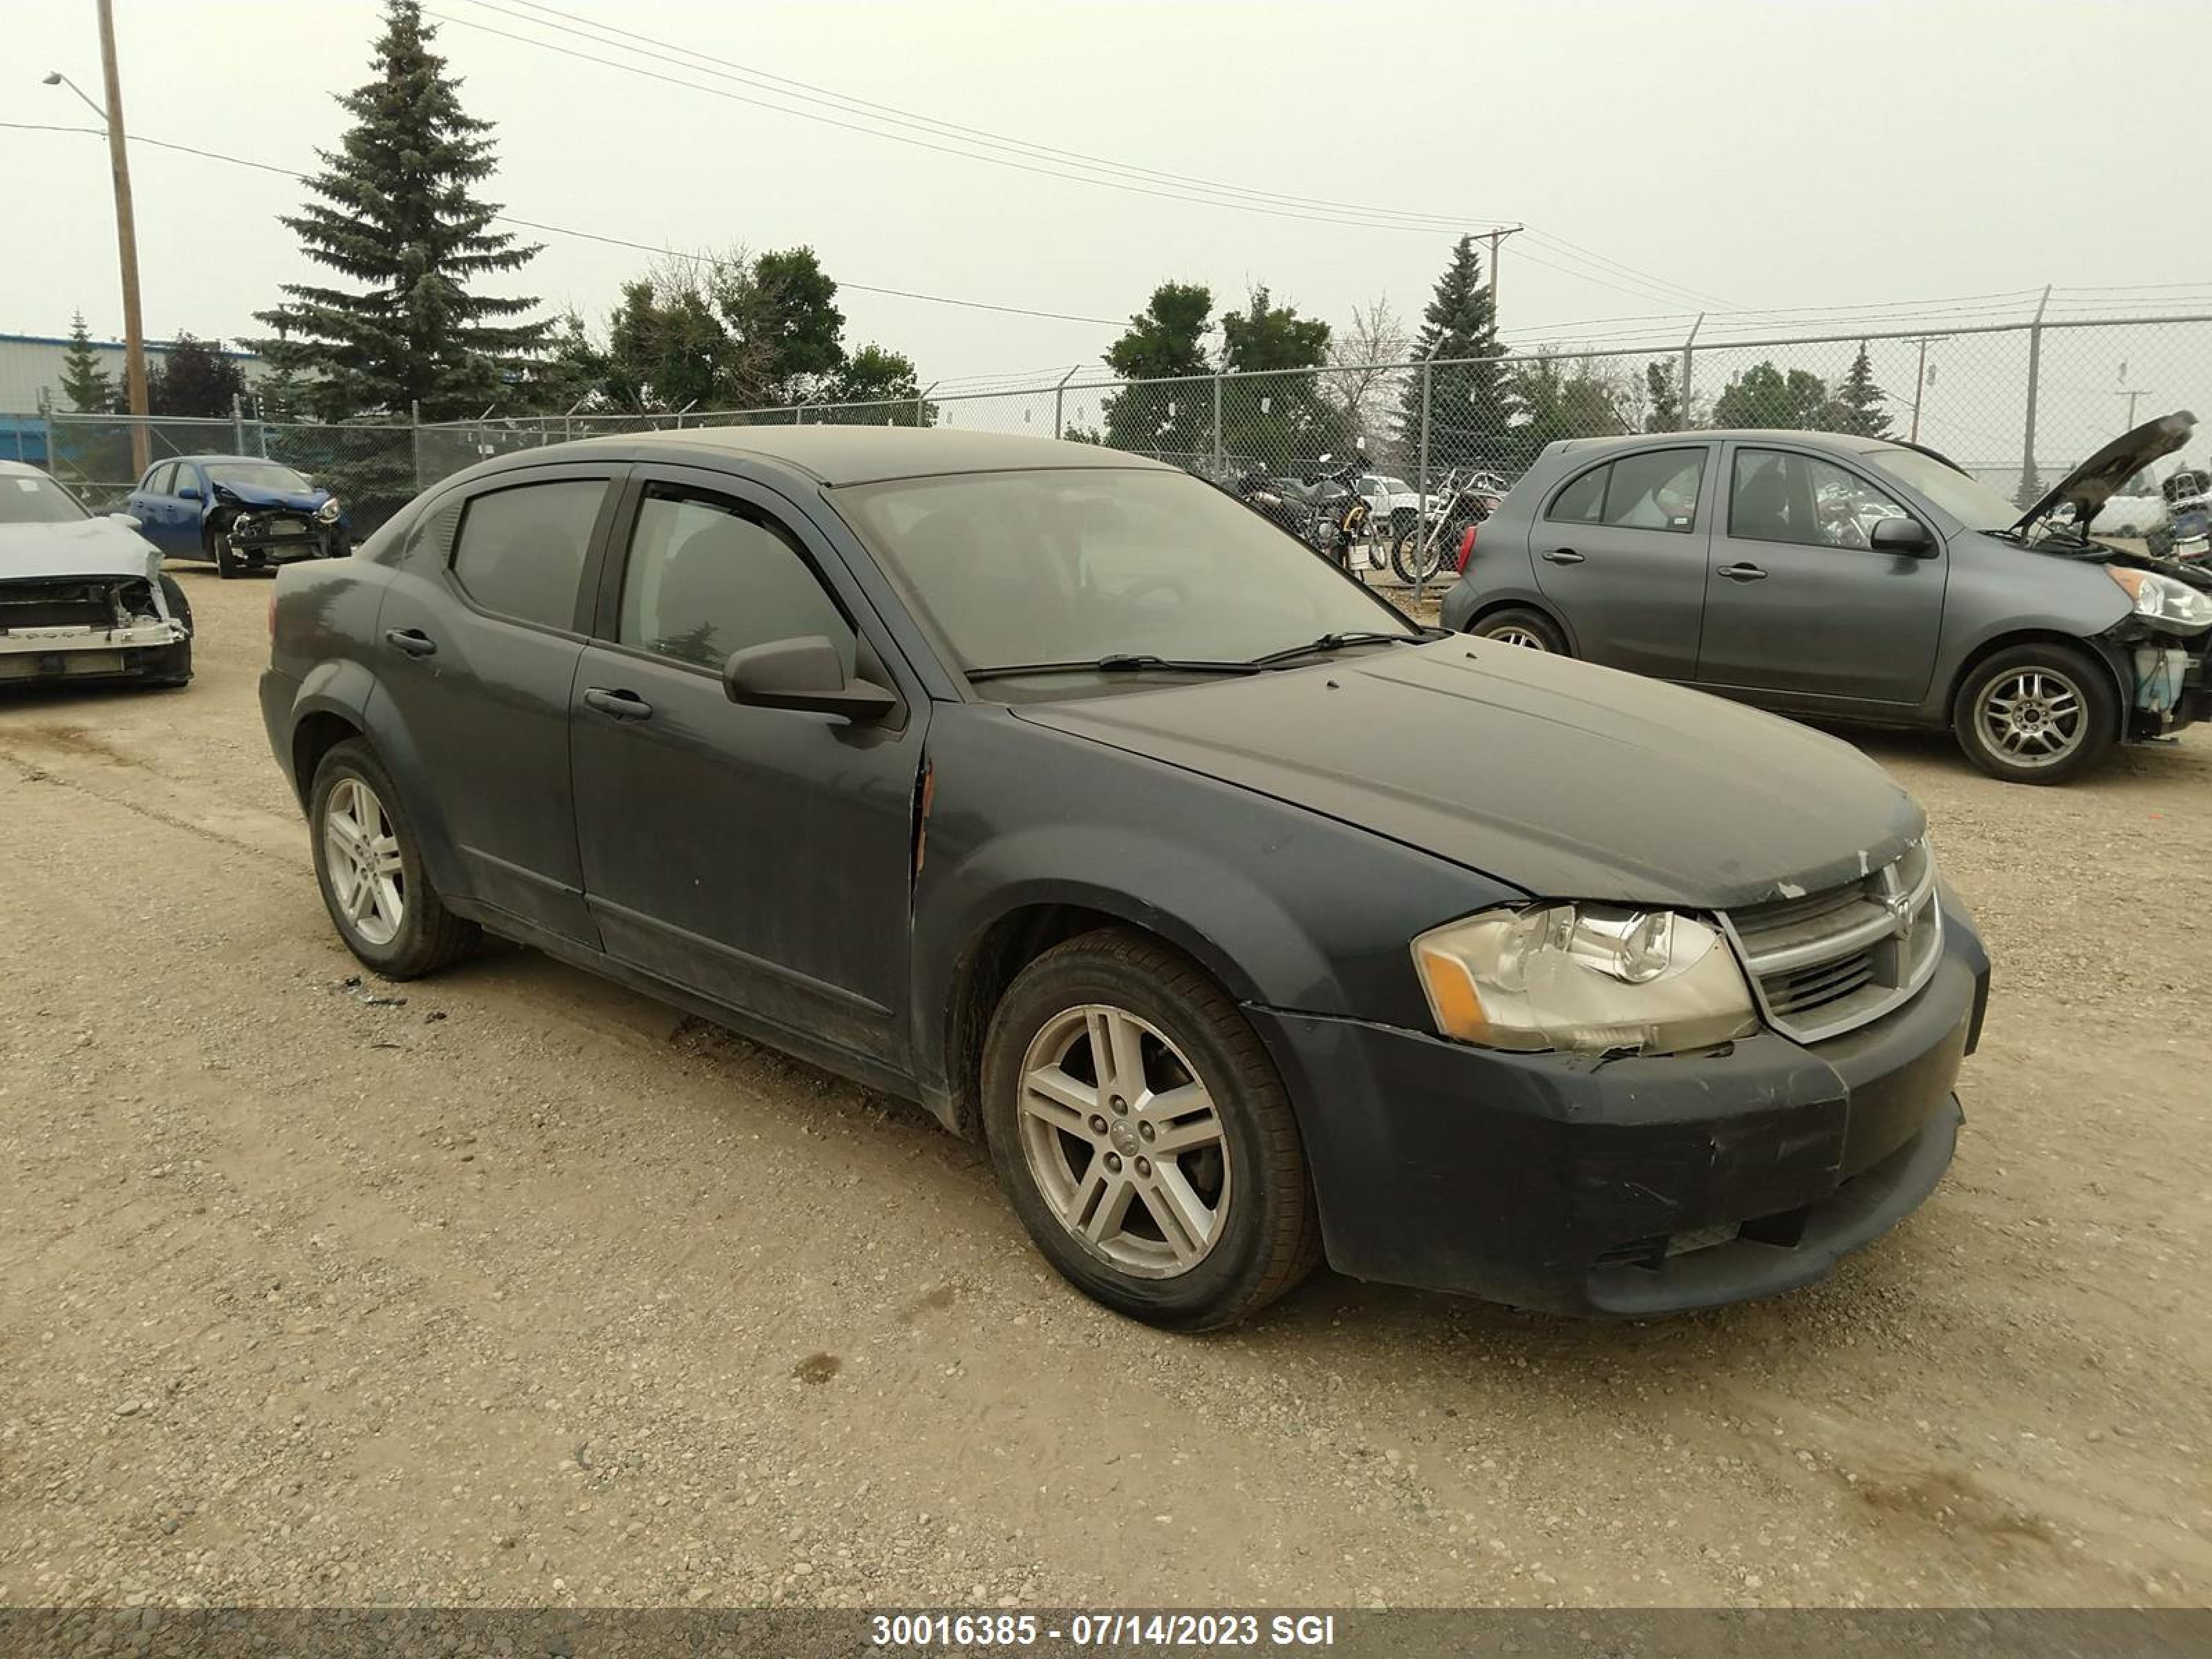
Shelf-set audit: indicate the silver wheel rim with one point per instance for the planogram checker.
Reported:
(1514, 633)
(1124, 1142)
(2034, 717)
(360, 854)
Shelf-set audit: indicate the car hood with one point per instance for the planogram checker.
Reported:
(1566, 779)
(2098, 479)
(299, 500)
(82, 547)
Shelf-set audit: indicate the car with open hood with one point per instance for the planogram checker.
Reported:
(1050, 788)
(1854, 578)
(239, 513)
(82, 597)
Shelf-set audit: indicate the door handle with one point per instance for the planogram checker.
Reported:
(413, 640)
(1743, 573)
(1561, 555)
(617, 705)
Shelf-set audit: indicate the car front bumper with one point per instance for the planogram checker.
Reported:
(267, 547)
(1633, 1185)
(45, 654)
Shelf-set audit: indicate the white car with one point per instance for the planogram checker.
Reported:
(82, 597)
(1388, 496)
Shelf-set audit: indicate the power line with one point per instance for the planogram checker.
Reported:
(589, 236)
(1048, 162)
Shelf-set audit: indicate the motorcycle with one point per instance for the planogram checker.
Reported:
(1340, 512)
(1419, 552)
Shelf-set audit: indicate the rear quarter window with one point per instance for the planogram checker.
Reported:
(519, 552)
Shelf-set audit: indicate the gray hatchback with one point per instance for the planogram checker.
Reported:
(1855, 579)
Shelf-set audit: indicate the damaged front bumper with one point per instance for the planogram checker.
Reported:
(2169, 685)
(1629, 1186)
(274, 538)
(72, 654)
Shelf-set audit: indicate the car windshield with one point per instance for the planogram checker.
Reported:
(1072, 566)
(1965, 497)
(33, 500)
(259, 475)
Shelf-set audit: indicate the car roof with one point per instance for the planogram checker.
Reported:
(836, 455)
(1850, 441)
(21, 470)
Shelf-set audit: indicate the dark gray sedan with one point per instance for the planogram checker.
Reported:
(1050, 788)
(1855, 579)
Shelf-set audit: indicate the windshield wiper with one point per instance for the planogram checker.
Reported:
(1122, 662)
(1338, 642)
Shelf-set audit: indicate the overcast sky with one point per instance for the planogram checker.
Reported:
(1758, 155)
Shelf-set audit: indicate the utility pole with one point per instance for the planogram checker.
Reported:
(126, 243)
(1499, 234)
(2130, 397)
(1919, 380)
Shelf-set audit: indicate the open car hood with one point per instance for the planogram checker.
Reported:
(2097, 480)
(81, 547)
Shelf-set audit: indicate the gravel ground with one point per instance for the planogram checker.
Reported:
(513, 1287)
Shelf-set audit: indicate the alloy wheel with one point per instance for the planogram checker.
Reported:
(1514, 634)
(360, 852)
(1125, 1143)
(2034, 717)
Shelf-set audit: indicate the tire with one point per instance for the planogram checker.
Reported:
(2037, 714)
(1240, 1225)
(1517, 625)
(1407, 555)
(423, 936)
(175, 667)
(217, 543)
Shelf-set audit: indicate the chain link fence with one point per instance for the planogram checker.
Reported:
(2018, 403)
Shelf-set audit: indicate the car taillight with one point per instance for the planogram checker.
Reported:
(1467, 546)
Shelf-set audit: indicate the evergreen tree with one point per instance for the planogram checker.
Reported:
(1279, 418)
(1762, 396)
(85, 380)
(1470, 403)
(397, 217)
(1856, 407)
(195, 379)
(1167, 339)
(1665, 398)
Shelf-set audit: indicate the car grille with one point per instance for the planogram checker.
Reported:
(56, 604)
(1826, 962)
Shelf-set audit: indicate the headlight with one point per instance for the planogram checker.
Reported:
(1583, 976)
(328, 511)
(2161, 599)
(242, 525)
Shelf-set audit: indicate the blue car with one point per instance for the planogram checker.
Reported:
(239, 512)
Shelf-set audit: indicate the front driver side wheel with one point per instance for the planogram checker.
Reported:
(1144, 1137)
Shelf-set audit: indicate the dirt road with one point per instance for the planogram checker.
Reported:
(511, 1287)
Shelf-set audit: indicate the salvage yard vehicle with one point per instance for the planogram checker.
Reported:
(1853, 579)
(1051, 788)
(81, 597)
(239, 513)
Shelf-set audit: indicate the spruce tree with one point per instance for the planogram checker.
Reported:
(1857, 406)
(1469, 404)
(85, 380)
(397, 216)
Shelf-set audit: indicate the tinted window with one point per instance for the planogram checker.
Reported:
(705, 579)
(521, 551)
(1779, 497)
(1580, 502)
(1657, 491)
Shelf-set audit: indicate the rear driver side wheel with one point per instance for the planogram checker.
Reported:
(1144, 1137)
(1517, 625)
(369, 863)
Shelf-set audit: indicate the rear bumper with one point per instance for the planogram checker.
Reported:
(1585, 1185)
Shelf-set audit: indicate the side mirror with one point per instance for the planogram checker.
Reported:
(805, 673)
(1907, 537)
(188, 492)
(130, 518)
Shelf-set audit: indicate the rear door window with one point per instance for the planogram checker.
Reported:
(158, 481)
(1582, 500)
(1655, 491)
(520, 551)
